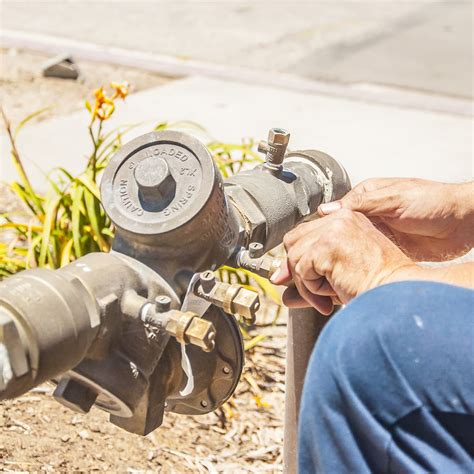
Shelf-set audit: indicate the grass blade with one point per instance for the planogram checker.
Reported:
(94, 220)
(77, 196)
(28, 118)
(49, 224)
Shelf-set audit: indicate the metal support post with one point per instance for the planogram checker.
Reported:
(304, 327)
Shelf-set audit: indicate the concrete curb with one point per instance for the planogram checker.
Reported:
(176, 67)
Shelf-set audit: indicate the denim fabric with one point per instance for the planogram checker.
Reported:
(390, 384)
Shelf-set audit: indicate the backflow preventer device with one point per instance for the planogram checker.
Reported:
(147, 327)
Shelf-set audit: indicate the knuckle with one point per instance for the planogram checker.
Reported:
(346, 214)
(356, 200)
(287, 241)
(338, 226)
(304, 268)
(292, 258)
(368, 184)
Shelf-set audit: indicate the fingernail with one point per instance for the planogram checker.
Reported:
(275, 276)
(329, 207)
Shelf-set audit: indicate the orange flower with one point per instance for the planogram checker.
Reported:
(121, 89)
(103, 106)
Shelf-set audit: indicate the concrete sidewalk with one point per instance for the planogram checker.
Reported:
(415, 45)
(369, 139)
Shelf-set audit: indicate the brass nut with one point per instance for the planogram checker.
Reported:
(246, 303)
(230, 294)
(177, 324)
(202, 333)
(278, 136)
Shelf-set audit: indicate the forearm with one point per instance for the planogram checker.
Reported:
(464, 212)
(461, 274)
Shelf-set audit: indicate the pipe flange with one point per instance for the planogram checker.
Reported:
(216, 373)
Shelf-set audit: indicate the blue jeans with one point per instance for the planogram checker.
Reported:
(390, 384)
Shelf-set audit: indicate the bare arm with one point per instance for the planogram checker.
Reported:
(461, 274)
(430, 221)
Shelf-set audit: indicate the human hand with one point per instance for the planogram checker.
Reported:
(333, 259)
(430, 221)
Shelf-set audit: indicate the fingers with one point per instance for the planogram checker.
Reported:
(320, 287)
(372, 184)
(380, 202)
(292, 298)
(315, 293)
(300, 231)
(372, 197)
(282, 276)
(328, 208)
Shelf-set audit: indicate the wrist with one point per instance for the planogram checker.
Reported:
(464, 210)
(408, 270)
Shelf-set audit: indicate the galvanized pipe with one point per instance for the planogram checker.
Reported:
(304, 327)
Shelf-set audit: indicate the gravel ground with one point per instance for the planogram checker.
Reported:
(37, 434)
(24, 90)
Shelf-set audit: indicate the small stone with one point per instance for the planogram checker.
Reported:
(62, 67)
(94, 428)
(83, 434)
(151, 454)
(65, 438)
(76, 420)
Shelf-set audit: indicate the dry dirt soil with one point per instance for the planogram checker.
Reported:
(24, 90)
(38, 434)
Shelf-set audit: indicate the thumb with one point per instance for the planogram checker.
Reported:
(370, 203)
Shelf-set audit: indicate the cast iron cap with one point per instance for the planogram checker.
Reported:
(158, 182)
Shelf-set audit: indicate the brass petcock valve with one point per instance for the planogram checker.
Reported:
(257, 261)
(275, 149)
(232, 298)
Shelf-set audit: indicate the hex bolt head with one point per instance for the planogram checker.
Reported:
(162, 303)
(277, 143)
(255, 250)
(202, 333)
(278, 136)
(74, 395)
(154, 180)
(207, 280)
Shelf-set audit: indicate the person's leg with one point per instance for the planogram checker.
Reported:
(390, 384)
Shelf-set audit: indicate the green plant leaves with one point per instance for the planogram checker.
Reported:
(69, 221)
